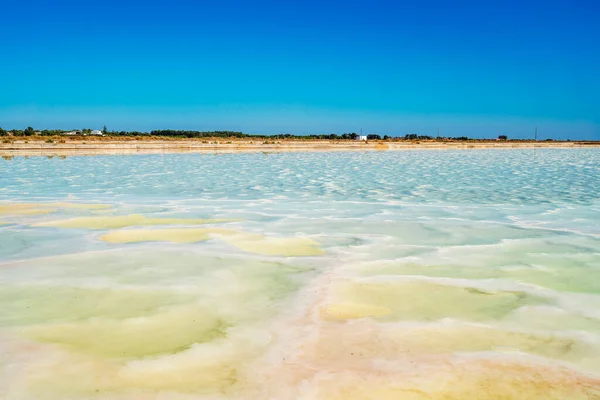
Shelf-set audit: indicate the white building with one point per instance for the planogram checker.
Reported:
(96, 132)
(72, 133)
(362, 138)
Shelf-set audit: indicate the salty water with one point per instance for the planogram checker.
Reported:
(362, 275)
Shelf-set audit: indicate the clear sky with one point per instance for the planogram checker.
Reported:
(476, 68)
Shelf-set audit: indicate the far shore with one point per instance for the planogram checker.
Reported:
(106, 145)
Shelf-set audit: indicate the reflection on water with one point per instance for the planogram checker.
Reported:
(429, 275)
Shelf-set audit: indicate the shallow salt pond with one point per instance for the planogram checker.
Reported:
(380, 275)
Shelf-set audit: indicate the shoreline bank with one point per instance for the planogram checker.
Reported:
(116, 147)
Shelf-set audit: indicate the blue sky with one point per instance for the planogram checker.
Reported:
(476, 68)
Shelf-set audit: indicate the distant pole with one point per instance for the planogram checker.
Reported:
(536, 133)
(438, 133)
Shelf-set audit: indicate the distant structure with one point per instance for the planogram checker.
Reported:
(96, 132)
(361, 137)
(71, 133)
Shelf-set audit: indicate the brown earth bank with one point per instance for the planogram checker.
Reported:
(132, 145)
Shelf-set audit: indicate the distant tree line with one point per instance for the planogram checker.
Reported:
(197, 134)
(326, 136)
(29, 131)
(414, 136)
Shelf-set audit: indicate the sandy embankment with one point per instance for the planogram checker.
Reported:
(73, 147)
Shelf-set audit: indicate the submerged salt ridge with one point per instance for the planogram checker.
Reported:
(408, 275)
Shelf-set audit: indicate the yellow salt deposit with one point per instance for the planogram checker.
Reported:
(370, 340)
(421, 301)
(352, 311)
(212, 369)
(187, 235)
(79, 206)
(24, 209)
(252, 243)
(564, 277)
(114, 222)
(259, 244)
(475, 379)
(45, 208)
(166, 332)
(34, 304)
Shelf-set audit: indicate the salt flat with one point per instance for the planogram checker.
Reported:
(301, 275)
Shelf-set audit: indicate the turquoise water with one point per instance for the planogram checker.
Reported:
(388, 275)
